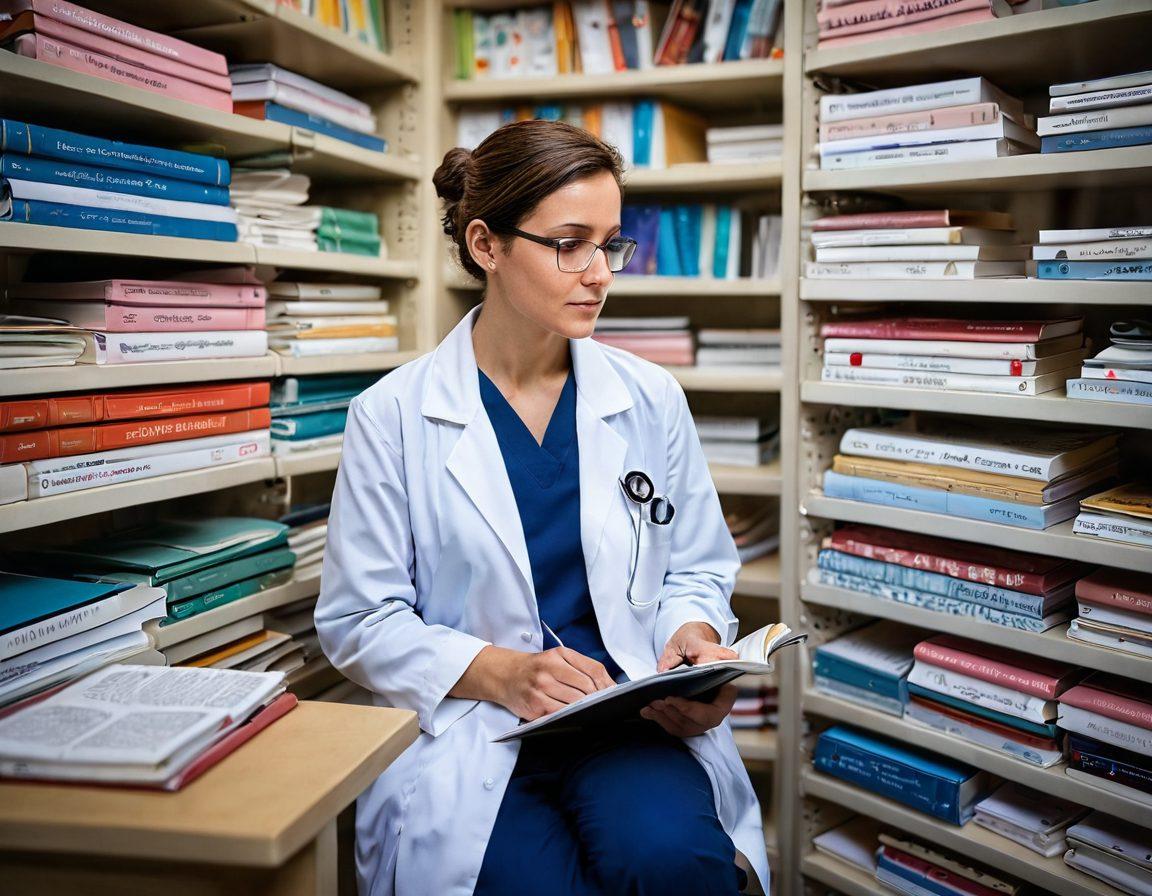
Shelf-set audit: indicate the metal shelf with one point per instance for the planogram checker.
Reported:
(845, 878)
(727, 379)
(756, 744)
(760, 577)
(1080, 292)
(15, 237)
(337, 262)
(304, 462)
(344, 363)
(702, 177)
(97, 377)
(765, 480)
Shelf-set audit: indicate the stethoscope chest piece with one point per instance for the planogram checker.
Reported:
(639, 489)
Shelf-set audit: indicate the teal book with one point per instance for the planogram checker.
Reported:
(689, 222)
(643, 122)
(25, 600)
(667, 251)
(219, 597)
(213, 577)
(169, 549)
(296, 391)
(723, 238)
(347, 219)
(310, 426)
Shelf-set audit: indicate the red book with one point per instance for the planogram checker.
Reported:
(71, 440)
(970, 718)
(915, 219)
(1033, 675)
(1017, 571)
(1121, 699)
(949, 880)
(953, 329)
(174, 293)
(1119, 588)
(135, 404)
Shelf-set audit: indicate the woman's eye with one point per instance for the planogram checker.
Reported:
(569, 245)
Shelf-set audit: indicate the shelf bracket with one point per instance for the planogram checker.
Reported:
(302, 143)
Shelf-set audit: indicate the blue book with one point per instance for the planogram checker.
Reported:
(894, 874)
(310, 425)
(869, 665)
(83, 217)
(946, 586)
(31, 139)
(624, 12)
(939, 786)
(890, 494)
(1119, 391)
(1050, 731)
(724, 215)
(689, 220)
(737, 30)
(1113, 763)
(643, 122)
(1094, 270)
(305, 391)
(26, 600)
(642, 223)
(1113, 138)
(284, 115)
(93, 177)
(667, 249)
(553, 112)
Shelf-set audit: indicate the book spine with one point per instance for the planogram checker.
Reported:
(1121, 773)
(133, 348)
(834, 687)
(982, 693)
(881, 220)
(938, 23)
(1114, 706)
(838, 107)
(1106, 251)
(52, 214)
(1131, 599)
(845, 672)
(218, 597)
(32, 139)
(1094, 270)
(893, 445)
(1123, 392)
(110, 179)
(1047, 730)
(964, 331)
(142, 319)
(928, 120)
(140, 38)
(1044, 687)
(933, 602)
(1113, 528)
(1110, 731)
(1047, 237)
(1022, 746)
(41, 413)
(878, 15)
(1096, 120)
(110, 199)
(275, 112)
(940, 382)
(1113, 138)
(79, 619)
(1101, 99)
(974, 150)
(931, 364)
(301, 101)
(86, 62)
(227, 573)
(224, 397)
(891, 270)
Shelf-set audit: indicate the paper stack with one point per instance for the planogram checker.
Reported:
(661, 340)
(1115, 611)
(39, 342)
(1113, 851)
(868, 666)
(55, 630)
(1042, 471)
(757, 704)
(910, 865)
(728, 348)
(1120, 514)
(264, 650)
(1102, 114)
(854, 842)
(738, 441)
(946, 121)
(1102, 253)
(310, 319)
(1035, 820)
(750, 143)
(309, 412)
(755, 527)
(992, 696)
(141, 726)
(307, 536)
(1122, 372)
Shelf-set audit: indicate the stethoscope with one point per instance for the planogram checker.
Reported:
(640, 491)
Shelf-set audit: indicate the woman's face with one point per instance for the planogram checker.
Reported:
(527, 275)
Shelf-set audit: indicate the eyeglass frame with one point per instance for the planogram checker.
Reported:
(554, 243)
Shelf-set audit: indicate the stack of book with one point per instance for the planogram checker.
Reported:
(264, 650)
(843, 22)
(132, 321)
(757, 704)
(751, 348)
(1009, 357)
(64, 443)
(936, 785)
(1115, 611)
(200, 564)
(1109, 725)
(38, 342)
(139, 726)
(365, 20)
(1123, 371)
(309, 412)
(1100, 253)
(311, 319)
(946, 121)
(755, 528)
(1037, 821)
(592, 37)
(1102, 114)
(855, 842)
(80, 40)
(1030, 477)
(991, 696)
(268, 92)
(738, 441)
(941, 244)
(49, 179)
(307, 536)
(55, 630)
(1112, 850)
(297, 620)
(747, 143)
(1027, 592)
(868, 666)
(661, 340)
(1120, 514)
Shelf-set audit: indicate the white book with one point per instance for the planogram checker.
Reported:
(982, 693)
(720, 356)
(308, 348)
(1113, 528)
(935, 364)
(735, 238)
(744, 133)
(645, 36)
(1047, 845)
(1117, 374)
(72, 463)
(913, 270)
(835, 254)
(738, 454)
(13, 484)
(642, 324)
(272, 640)
(506, 59)
(340, 292)
(853, 694)
(939, 153)
(304, 101)
(616, 129)
(748, 429)
(292, 324)
(853, 842)
(1004, 129)
(1095, 120)
(266, 71)
(1119, 391)
(762, 336)
(707, 241)
(1104, 250)
(134, 348)
(1112, 83)
(1139, 622)
(324, 307)
(251, 445)
(1113, 787)
(70, 667)
(1030, 810)
(946, 348)
(917, 98)
(716, 25)
(949, 382)
(920, 713)
(591, 18)
(914, 236)
(539, 33)
(1095, 235)
(1125, 841)
(213, 639)
(125, 202)
(740, 153)
(1101, 99)
(1109, 731)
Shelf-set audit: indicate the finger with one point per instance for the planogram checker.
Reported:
(540, 706)
(558, 690)
(701, 651)
(563, 669)
(726, 699)
(694, 713)
(670, 658)
(673, 723)
(592, 668)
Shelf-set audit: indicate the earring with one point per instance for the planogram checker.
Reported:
(492, 265)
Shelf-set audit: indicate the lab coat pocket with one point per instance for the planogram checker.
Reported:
(652, 566)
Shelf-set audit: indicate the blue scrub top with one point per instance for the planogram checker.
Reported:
(545, 479)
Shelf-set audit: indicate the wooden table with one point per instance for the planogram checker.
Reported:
(261, 822)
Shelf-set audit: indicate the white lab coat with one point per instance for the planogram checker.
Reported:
(426, 564)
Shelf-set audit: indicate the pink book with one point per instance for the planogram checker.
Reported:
(145, 292)
(953, 329)
(1124, 590)
(908, 122)
(896, 30)
(112, 318)
(1113, 697)
(1037, 676)
(114, 29)
(86, 62)
(915, 219)
(30, 22)
(877, 15)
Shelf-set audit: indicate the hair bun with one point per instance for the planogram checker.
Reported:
(450, 177)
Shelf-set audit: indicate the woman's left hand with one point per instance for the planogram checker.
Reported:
(693, 642)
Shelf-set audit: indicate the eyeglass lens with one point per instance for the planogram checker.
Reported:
(575, 255)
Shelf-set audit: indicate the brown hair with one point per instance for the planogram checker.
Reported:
(516, 167)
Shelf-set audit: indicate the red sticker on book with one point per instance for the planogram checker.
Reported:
(1017, 368)
(1110, 374)
(856, 359)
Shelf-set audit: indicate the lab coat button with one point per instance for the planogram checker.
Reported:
(489, 783)
(525, 636)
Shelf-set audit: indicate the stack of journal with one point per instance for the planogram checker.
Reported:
(1115, 611)
(758, 348)
(910, 865)
(755, 528)
(859, 21)
(738, 441)
(749, 143)
(311, 319)
(1121, 514)
(307, 536)
(757, 703)
(1035, 820)
(661, 340)
(1112, 850)
(868, 666)
(1102, 114)
(309, 412)
(1122, 372)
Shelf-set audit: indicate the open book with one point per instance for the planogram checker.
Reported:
(624, 701)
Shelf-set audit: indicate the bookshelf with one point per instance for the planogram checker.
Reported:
(1022, 54)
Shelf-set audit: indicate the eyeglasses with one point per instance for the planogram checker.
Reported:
(574, 255)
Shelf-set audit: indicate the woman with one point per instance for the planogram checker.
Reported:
(482, 567)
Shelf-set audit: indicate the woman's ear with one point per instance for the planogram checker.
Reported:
(481, 244)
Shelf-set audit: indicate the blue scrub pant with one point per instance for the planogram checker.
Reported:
(626, 812)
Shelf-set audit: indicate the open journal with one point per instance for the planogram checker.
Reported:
(624, 701)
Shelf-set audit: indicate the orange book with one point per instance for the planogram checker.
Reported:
(208, 659)
(567, 58)
(614, 42)
(594, 119)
